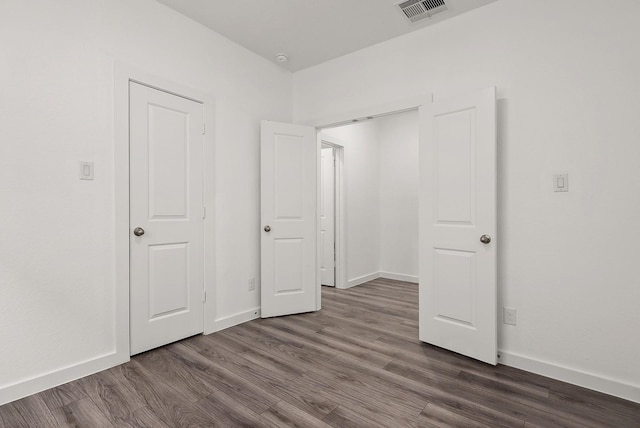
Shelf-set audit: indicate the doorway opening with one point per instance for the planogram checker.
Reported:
(376, 217)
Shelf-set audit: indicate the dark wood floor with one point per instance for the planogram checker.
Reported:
(356, 363)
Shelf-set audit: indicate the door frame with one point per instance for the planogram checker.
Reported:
(339, 210)
(124, 74)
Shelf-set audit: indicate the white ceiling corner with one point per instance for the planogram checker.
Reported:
(309, 31)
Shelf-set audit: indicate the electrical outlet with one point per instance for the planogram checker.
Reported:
(252, 284)
(510, 316)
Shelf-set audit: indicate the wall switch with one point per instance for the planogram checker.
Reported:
(510, 316)
(561, 182)
(252, 284)
(86, 170)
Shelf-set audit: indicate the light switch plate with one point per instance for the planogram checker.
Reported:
(86, 170)
(561, 182)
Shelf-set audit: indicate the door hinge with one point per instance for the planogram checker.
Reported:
(204, 128)
(204, 295)
(204, 212)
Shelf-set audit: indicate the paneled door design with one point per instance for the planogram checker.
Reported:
(327, 217)
(166, 217)
(458, 225)
(289, 168)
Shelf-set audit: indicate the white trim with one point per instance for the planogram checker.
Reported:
(209, 226)
(121, 208)
(317, 214)
(375, 275)
(362, 279)
(123, 75)
(370, 112)
(236, 319)
(399, 276)
(341, 218)
(588, 380)
(58, 377)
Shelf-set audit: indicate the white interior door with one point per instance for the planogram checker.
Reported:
(289, 167)
(166, 211)
(327, 217)
(457, 218)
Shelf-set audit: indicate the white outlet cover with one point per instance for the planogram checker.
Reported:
(510, 316)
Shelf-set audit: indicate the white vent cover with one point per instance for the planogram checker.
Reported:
(415, 10)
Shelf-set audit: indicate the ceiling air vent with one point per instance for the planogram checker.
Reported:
(415, 10)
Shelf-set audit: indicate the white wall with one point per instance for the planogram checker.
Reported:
(56, 108)
(362, 178)
(568, 79)
(398, 139)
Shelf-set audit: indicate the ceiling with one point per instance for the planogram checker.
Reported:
(309, 32)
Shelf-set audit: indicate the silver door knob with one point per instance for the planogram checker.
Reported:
(267, 228)
(138, 231)
(485, 239)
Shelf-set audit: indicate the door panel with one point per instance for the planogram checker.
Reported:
(454, 285)
(288, 176)
(454, 167)
(167, 152)
(327, 217)
(458, 206)
(168, 279)
(289, 266)
(166, 191)
(289, 219)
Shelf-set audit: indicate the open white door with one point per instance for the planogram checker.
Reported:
(458, 225)
(289, 168)
(327, 217)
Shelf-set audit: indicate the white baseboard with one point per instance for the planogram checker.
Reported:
(398, 276)
(375, 275)
(362, 279)
(239, 318)
(18, 390)
(569, 375)
(55, 378)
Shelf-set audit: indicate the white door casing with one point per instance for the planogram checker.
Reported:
(327, 217)
(166, 201)
(339, 223)
(458, 206)
(289, 163)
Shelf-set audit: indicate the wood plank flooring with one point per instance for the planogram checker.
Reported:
(356, 363)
